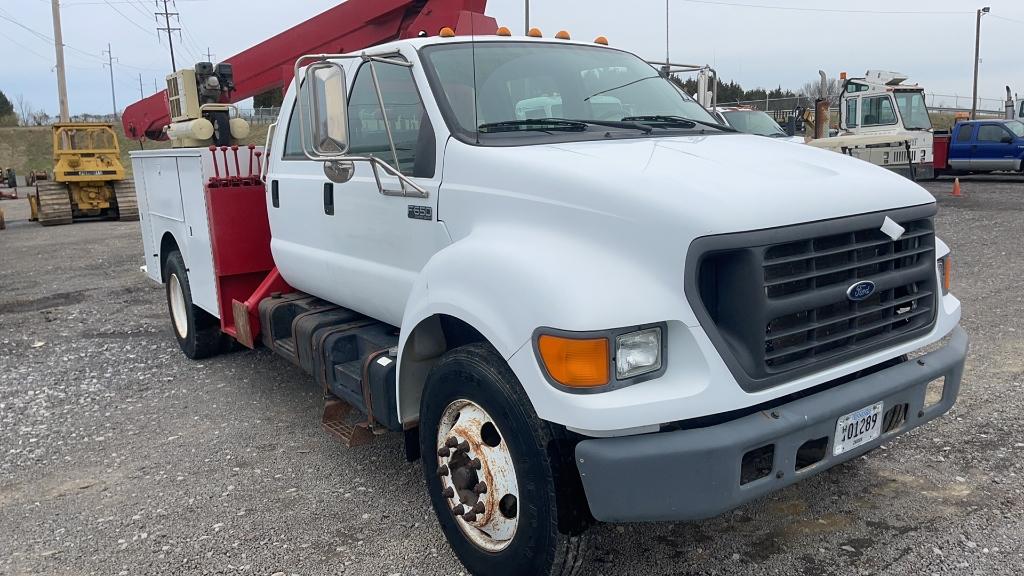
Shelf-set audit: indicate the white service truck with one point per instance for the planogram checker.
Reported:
(575, 319)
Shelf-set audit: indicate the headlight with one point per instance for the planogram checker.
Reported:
(637, 353)
(945, 270)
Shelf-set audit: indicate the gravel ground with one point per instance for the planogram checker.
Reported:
(119, 456)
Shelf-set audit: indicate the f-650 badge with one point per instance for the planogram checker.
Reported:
(421, 212)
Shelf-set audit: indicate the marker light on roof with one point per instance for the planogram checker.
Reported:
(601, 40)
(562, 35)
(534, 33)
(447, 32)
(504, 31)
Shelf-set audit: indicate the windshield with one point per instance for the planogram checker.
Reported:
(1016, 127)
(913, 110)
(754, 122)
(517, 81)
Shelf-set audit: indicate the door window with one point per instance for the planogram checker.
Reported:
(877, 111)
(963, 133)
(404, 113)
(851, 113)
(991, 133)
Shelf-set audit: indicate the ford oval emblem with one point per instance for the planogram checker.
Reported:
(861, 290)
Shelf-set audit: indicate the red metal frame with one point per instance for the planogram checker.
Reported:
(353, 25)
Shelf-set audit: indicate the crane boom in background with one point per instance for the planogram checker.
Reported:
(350, 26)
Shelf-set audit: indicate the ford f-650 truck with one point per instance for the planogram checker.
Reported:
(619, 311)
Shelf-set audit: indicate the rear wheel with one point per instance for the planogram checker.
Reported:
(501, 480)
(197, 331)
(53, 204)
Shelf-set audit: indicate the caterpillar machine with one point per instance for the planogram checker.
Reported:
(88, 178)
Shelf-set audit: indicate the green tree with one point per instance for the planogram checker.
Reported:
(7, 116)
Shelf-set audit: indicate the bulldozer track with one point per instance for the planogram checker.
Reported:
(127, 202)
(54, 203)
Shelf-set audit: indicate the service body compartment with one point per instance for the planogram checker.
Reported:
(172, 201)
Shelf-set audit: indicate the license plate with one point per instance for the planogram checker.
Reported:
(857, 428)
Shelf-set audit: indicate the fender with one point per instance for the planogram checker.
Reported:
(508, 281)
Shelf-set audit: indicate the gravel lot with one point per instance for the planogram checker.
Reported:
(119, 456)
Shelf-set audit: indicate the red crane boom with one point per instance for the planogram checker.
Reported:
(350, 26)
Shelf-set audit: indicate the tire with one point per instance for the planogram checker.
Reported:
(197, 331)
(469, 389)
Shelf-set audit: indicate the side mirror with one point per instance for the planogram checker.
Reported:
(323, 106)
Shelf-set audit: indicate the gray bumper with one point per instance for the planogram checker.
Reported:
(697, 471)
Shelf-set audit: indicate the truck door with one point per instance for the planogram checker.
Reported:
(995, 148)
(961, 147)
(348, 242)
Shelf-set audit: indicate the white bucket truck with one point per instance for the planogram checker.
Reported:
(588, 317)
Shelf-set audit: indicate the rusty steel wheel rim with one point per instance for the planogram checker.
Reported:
(178, 315)
(478, 477)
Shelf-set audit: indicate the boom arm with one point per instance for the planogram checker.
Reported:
(348, 27)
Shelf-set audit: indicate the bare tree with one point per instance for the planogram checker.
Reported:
(40, 118)
(833, 89)
(24, 110)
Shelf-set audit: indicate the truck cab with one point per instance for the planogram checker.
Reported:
(987, 146)
(880, 103)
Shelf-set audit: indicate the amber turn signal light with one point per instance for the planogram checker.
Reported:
(575, 362)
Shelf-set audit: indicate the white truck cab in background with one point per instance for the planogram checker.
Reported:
(590, 285)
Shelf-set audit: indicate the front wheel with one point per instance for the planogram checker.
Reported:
(501, 481)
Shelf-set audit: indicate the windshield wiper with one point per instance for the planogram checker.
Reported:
(626, 123)
(539, 124)
(678, 121)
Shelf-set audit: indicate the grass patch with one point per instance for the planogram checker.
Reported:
(26, 148)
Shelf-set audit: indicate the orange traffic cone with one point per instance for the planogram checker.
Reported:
(956, 188)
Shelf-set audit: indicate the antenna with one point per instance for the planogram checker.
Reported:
(476, 91)
(667, 59)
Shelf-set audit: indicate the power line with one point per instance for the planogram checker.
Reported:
(831, 10)
(125, 16)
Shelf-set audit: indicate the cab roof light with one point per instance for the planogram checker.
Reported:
(534, 33)
(562, 35)
(504, 31)
(601, 40)
(575, 362)
(446, 32)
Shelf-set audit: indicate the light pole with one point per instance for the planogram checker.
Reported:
(977, 56)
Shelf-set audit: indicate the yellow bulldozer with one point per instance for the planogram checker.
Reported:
(88, 178)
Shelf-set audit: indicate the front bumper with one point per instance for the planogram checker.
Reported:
(696, 473)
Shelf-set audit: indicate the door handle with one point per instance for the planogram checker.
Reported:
(275, 198)
(329, 198)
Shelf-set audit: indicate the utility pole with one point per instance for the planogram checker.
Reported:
(141, 93)
(977, 57)
(110, 64)
(167, 28)
(62, 82)
(209, 55)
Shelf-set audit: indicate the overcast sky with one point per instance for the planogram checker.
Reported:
(755, 42)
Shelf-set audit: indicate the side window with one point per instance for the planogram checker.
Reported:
(851, 113)
(406, 117)
(877, 111)
(991, 133)
(293, 137)
(963, 133)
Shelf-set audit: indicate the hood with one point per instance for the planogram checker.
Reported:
(720, 183)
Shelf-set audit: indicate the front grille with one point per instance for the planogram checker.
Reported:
(776, 300)
(840, 324)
